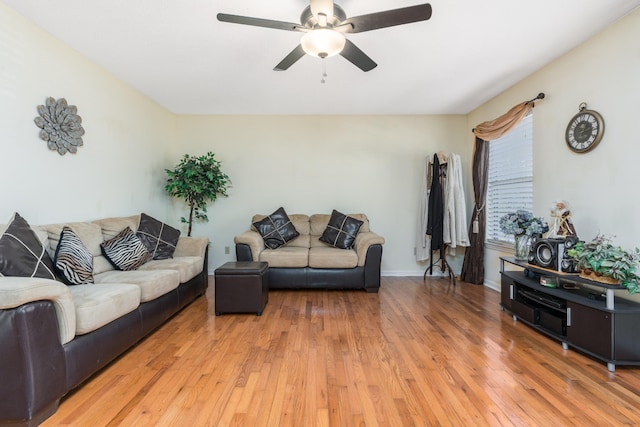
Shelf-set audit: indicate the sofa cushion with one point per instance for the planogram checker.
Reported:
(276, 229)
(188, 266)
(72, 259)
(112, 226)
(21, 252)
(286, 256)
(301, 223)
(159, 238)
(153, 283)
(42, 234)
(97, 305)
(91, 236)
(341, 230)
(330, 257)
(192, 246)
(125, 251)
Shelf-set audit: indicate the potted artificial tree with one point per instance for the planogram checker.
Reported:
(197, 180)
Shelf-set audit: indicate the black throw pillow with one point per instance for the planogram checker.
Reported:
(276, 229)
(22, 253)
(159, 238)
(341, 231)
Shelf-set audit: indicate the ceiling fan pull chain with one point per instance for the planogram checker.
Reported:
(324, 71)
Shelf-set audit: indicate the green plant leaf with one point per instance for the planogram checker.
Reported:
(198, 180)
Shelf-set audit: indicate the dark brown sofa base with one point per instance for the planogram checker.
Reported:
(366, 277)
(37, 371)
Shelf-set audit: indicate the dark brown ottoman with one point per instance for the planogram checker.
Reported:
(241, 287)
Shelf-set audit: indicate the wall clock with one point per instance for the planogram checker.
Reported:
(584, 130)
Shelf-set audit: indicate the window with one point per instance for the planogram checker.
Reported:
(510, 185)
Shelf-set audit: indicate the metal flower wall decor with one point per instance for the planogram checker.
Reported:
(61, 126)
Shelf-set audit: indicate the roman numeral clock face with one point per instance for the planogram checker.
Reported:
(584, 131)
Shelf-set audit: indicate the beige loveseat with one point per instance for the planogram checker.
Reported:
(307, 262)
(54, 336)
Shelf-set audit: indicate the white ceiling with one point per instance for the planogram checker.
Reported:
(178, 54)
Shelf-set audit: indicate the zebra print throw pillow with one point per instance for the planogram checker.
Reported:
(72, 259)
(22, 253)
(125, 251)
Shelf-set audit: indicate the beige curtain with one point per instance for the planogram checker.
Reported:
(473, 263)
(494, 129)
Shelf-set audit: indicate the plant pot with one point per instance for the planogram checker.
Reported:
(588, 274)
(521, 247)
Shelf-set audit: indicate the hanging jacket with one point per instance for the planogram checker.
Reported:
(423, 240)
(455, 211)
(436, 208)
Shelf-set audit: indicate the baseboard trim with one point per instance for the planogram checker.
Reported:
(413, 273)
(492, 285)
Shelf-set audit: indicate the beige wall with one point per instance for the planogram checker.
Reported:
(371, 164)
(600, 185)
(307, 164)
(118, 171)
(313, 164)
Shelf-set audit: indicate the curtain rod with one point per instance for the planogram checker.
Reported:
(541, 95)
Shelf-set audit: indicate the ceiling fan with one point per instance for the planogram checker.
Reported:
(324, 24)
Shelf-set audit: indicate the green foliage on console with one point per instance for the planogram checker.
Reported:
(601, 258)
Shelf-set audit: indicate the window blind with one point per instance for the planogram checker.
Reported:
(510, 184)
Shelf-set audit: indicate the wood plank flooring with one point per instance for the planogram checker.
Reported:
(415, 354)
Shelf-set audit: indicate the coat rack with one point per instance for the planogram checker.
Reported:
(444, 266)
(437, 181)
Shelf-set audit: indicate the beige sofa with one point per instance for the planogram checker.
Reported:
(307, 262)
(55, 336)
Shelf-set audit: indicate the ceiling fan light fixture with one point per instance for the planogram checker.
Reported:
(322, 43)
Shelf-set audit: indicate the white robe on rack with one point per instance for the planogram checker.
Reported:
(455, 211)
(423, 244)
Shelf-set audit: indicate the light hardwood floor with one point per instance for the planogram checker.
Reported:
(414, 354)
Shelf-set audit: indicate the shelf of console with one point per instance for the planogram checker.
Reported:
(607, 289)
(581, 314)
(567, 345)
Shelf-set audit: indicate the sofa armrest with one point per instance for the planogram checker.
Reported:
(363, 242)
(33, 368)
(16, 291)
(254, 240)
(191, 246)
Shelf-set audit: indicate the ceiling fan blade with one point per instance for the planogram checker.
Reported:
(353, 54)
(258, 22)
(290, 59)
(389, 18)
(322, 7)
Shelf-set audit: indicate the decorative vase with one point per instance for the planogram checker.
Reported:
(521, 247)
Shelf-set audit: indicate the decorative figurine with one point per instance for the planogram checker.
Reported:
(562, 225)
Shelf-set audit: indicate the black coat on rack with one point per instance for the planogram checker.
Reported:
(436, 208)
(435, 220)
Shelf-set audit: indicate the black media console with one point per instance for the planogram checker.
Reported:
(580, 313)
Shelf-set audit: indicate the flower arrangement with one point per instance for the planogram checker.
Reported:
(522, 222)
(600, 258)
